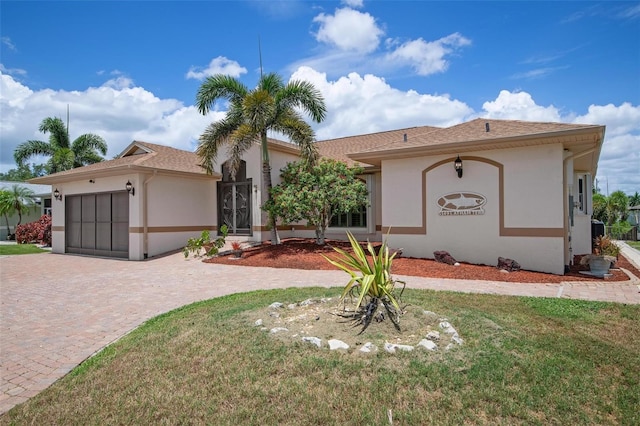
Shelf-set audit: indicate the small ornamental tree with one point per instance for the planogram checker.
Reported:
(317, 193)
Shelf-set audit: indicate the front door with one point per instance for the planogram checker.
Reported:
(234, 207)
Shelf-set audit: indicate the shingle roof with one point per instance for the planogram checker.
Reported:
(481, 129)
(585, 139)
(138, 155)
(338, 149)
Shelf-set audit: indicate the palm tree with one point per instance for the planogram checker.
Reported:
(63, 154)
(18, 199)
(634, 200)
(271, 106)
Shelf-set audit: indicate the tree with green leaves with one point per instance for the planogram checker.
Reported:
(634, 200)
(617, 207)
(271, 106)
(17, 199)
(63, 154)
(610, 209)
(23, 172)
(316, 193)
(599, 207)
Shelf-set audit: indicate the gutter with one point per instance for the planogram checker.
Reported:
(145, 216)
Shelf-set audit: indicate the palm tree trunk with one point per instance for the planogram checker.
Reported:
(266, 177)
(6, 218)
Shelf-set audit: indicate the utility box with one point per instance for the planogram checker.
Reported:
(597, 230)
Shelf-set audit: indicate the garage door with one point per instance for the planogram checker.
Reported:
(98, 224)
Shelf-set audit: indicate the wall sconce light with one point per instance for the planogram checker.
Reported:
(457, 164)
(130, 189)
(57, 195)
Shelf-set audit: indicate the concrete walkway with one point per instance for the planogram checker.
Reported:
(50, 325)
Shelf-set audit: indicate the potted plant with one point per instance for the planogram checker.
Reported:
(605, 252)
(236, 247)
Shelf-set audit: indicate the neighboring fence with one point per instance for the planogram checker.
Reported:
(629, 236)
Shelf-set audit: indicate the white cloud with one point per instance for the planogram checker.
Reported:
(219, 65)
(349, 30)
(619, 164)
(12, 71)
(7, 42)
(537, 73)
(365, 104)
(518, 106)
(631, 13)
(619, 119)
(118, 111)
(353, 3)
(428, 57)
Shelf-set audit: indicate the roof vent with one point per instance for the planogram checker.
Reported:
(405, 137)
(486, 126)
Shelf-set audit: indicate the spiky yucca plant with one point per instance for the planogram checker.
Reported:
(371, 282)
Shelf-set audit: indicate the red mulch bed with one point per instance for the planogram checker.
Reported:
(305, 254)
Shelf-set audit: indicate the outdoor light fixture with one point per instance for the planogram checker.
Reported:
(130, 189)
(457, 164)
(57, 195)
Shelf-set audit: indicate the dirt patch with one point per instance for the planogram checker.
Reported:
(305, 254)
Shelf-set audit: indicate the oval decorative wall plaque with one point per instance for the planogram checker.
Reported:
(461, 203)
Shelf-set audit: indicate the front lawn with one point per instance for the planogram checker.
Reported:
(523, 361)
(11, 249)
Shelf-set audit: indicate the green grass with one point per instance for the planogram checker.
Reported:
(634, 244)
(12, 249)
(524, 361)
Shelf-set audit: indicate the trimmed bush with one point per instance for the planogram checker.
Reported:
(35, 232)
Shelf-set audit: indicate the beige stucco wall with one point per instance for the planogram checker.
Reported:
(532, 195)
(178, 208)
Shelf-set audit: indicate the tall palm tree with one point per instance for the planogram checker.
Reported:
(63, 154)
(17, 199)
(271, 106)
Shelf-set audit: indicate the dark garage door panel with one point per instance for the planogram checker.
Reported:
(98, 224)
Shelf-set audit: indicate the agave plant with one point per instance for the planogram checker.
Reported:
(370, 282)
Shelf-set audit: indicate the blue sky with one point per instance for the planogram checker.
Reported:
(130, 70)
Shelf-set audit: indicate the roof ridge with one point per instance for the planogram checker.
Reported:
(381, 132)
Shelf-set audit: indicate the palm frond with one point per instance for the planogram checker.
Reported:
(303, 95)
(58, 133)
(219, 87)
(31, 148)
(89, 143)
(271, 83)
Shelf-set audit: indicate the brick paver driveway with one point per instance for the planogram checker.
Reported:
(57, 310)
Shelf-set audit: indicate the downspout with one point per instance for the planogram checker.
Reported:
(145, 218)
(568, 249)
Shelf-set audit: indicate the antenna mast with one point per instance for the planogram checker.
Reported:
(67, 122)
(260, 53)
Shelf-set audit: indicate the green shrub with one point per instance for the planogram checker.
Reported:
(195, 245)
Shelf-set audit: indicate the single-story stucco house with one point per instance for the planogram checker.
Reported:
(42, 206)
(479, 190)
